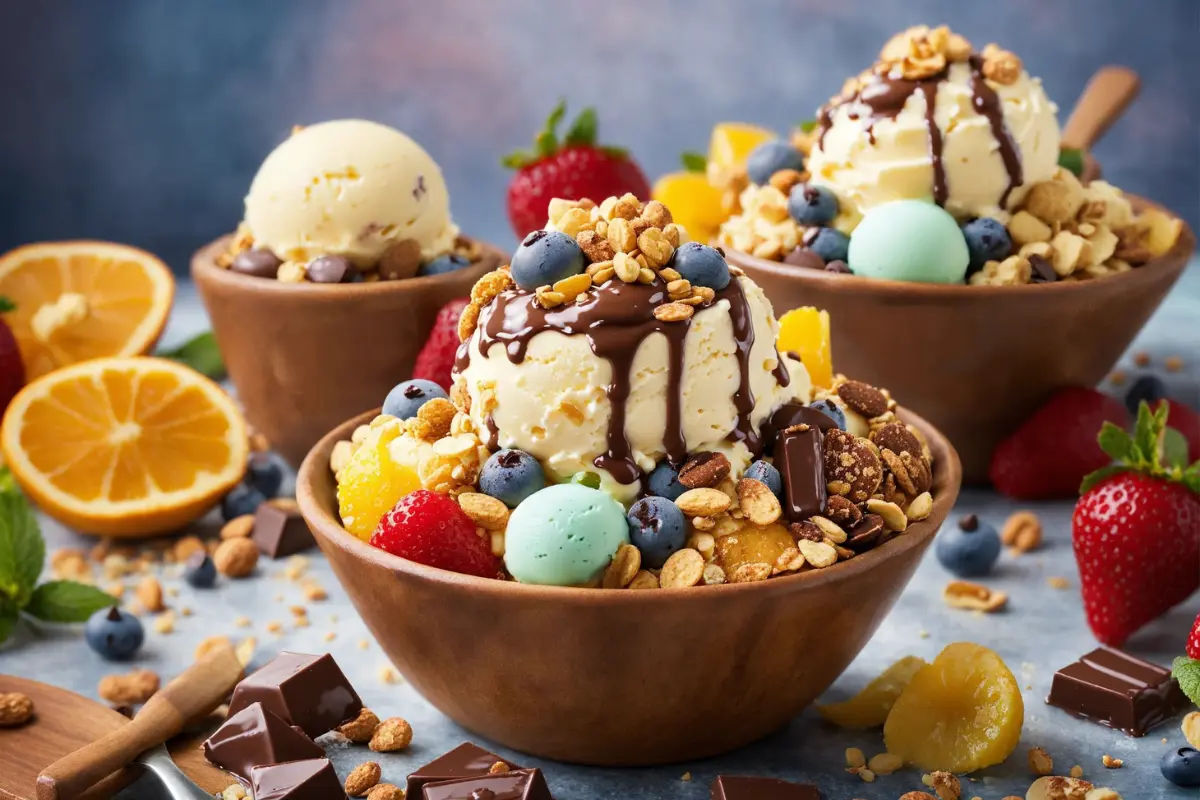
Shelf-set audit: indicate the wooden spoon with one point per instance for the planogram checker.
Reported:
(1104, 100)
(87, 745)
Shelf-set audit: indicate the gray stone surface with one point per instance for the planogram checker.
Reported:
(1042, 630)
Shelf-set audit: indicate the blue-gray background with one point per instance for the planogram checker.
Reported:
(143, 121)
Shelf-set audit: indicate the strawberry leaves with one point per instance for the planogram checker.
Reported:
(7, 305)
(694, 162)
(1152, 449)
(1187, 672)
(581, 132)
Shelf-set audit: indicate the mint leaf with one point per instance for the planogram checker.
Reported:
(22, 549)
(1071, 159)
(693, 162)
(1175, 449)
(1115, 442)
(7, 305)
(808, 126)
(583, 129)
(67, 601)
(1187, 672)
(8, 619)
(201, 354)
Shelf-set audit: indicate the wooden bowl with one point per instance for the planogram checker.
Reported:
(304, 357)
(976, 360)
(619, 678)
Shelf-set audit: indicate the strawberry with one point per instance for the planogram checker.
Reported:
(431, 529)
(1136, 530)
(436, 359)
(1053, 450)
(1193, 642)
(577, 168)
(12, 370)
(1186, 668)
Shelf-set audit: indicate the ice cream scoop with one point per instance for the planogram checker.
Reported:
(349, 188)
(564, 535)
(909, 240)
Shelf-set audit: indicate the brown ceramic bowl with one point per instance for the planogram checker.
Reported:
(976, 360)
(304, 357)
(619, 678)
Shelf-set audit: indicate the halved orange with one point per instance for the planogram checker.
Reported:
(82, 300)
(124, 446)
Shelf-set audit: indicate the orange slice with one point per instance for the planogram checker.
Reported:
(805, 331)
(82, 300)
(732, 142)
(124, 446)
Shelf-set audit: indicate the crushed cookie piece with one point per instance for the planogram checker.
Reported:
(132, 688)
(363, 778)
(1111, 763)
(863, 398)
(1040, 762)
(16, 709)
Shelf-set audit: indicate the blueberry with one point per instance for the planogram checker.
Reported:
(812, 205)
(770, 157)
(664, 482)
(987, 240)
(830, 244)
(511, 476)
(114, 634)
(265, 473)
(1149, 388)
(831, 410)
(406, 399)
(766, 472)
(199, 571)
(702, 266)
(969, 549)
(443, 264)
(657, 528)
(544, 258)
(242, 499)
(1181, 767)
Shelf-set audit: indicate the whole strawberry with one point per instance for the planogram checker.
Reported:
(436, 359)
(1136, 530)
(1193, 642)
(430, 529)
(12, 370)
(1053, 450)
(574, 169)
(1186, 668)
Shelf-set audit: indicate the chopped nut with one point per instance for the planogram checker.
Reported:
(750, 573)
(623, 568)
(920, 508)
(1022, 531)
(1057, 200)
(1076, 771)
(133, 688)
(758, 502)
(548, 298)
(363, 778)
(314, 592)
(392, 734)
(149, 593)
(1102, 794)
(241, 527)
(713, 575)
(1191, 728)
(644, 580)
(185, 546)
(15, 709)
(944, 784)
(485, 511)
(819, 554)
(654, 245)
(386, 791)
(885, 763)
(165, 623)
(1001, 66)
(499, 768)
(867, 775)
(1111, 763)
(490, 285)
(855, 758)
(973, 596)
(917, 796)
(1053, 787)
(468, 321)
(703, 502)
(893, 516)
(236, 558)
(830, 530)
(673, 312)
(1040, 762)
(684, 567)
(704, 470)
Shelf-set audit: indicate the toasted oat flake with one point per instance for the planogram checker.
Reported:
(703, 502)
(623, 568)
(684, 567)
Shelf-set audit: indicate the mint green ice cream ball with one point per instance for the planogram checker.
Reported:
(563, 535)
(909, 240)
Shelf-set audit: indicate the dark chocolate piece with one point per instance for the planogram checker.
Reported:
(790, 414)
(521, 784)
(1117, 690)
(804, 257)
(465, 761)
(866, 533)
(255, 737)
(799, 460)
(308, 691)
(1043, 270)
(741, 787)
(313, 779)
(279, 533)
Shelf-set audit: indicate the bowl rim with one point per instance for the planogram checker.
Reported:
(1174, 259)
(204, 266)
(325, 525)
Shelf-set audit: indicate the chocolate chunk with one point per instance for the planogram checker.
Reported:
(1043, 270)
(258, 263)
(852, 468)
(790, 414)
(329, 269)
(800, 463)
(308, 691)
(704, 470)
(838, 267)
(255, 737)
(863, 398)
(465, 761)
(313, 779)
(866, 533)
(279, 532)
(1117, 690)
(740, 787)
(401, 260)
(803, 257)
(522, 784)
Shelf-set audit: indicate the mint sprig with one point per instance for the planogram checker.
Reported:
(1071, 159)
(1152, 449)
(201, 354)
(22, 555)
(1187, 672)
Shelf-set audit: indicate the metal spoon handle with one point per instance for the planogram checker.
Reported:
(177, 785)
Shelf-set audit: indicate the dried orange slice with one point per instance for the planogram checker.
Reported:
(870, 707)
(124, 446)
(82, 300)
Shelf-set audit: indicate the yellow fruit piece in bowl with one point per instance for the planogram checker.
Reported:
(372, 483)
(870, 707)
(805, 332)
(1162, 230)
(694, 202)
(732, 142)
(752, 545)
(961, 713)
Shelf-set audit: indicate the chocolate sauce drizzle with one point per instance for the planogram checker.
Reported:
(884, 97)
(616, 318)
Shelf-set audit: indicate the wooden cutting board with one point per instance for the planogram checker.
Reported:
(63, 722)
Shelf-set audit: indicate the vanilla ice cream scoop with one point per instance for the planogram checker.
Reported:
(971, 143)
(349, 187)
(605, 386)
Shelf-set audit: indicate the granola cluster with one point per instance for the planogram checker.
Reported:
(763, 227)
